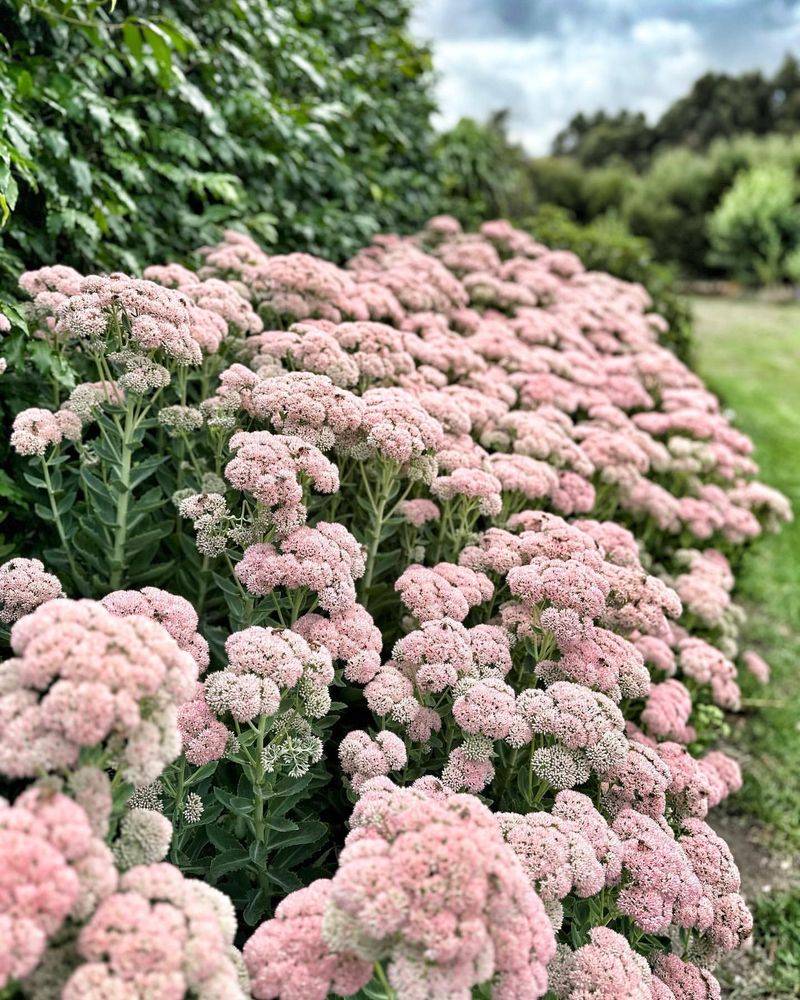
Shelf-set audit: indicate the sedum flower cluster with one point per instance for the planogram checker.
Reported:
(430, 556)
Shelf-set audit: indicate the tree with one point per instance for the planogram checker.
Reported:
(601, 137)
(756, 227)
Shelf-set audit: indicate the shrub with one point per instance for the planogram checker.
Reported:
(158, 129)
(482, 172)
(756, 227)
(309, 618)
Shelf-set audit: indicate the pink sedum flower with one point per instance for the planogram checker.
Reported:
(24, 585)
(83, 677)
(159, 935)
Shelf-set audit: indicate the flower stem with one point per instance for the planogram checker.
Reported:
(59, 524)
(380, 975)
(379, 502)
(123, 500)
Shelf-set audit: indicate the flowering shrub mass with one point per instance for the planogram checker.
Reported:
(380, 635)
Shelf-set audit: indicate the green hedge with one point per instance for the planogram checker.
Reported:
(134, 135)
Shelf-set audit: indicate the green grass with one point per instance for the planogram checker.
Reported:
(749, 353)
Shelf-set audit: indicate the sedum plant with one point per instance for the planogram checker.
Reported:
(380, 623)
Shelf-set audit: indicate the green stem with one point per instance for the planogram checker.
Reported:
(259, 826)
(59, 524)
(376, 525)
(123, 500)
(380, 975)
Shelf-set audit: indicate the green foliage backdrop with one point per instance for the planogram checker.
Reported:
(134, 134)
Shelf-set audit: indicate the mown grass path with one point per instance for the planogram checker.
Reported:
(749, 353)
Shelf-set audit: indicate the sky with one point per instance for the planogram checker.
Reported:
(545, 60)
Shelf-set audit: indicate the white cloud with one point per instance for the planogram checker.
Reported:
(545, 60)
(545, 80)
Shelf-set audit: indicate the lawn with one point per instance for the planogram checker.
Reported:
(749, 353)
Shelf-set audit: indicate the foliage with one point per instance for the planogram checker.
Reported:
(719, 106)
(756, 226)
(599, 138)
(483, 173)
(168, 121)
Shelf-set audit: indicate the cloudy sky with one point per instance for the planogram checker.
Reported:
(544, 60)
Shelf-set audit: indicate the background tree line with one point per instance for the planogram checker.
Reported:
(712, 186)
(719, 106)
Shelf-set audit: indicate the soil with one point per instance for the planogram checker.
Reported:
(747, 973)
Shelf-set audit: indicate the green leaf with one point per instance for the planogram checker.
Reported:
(286, 880)
(255, 909)
(236, 804)
(133, 40)
(223, 839)
(228, 861)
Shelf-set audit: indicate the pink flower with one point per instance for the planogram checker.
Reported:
(426, 882)
(554, 854)
(471, 484)
(351, 637)
(24, 585)
(705, 664)
(444, 591)
(326, 559)
(757, 666)
(575, 716)
(464, 772)
(82, 676)
(363, 757)
(723, 773)
(160, 319)
(273, 468)
(667, 710)
(686, 981)
(435, 655)
(264, 663)
(577, 809)
(175, 613)
(485, 707)
(308, 406)
(640, 781)
(395, 426)
(52, 866)
(204, 737)
(419, 512)
(603, 969)
(662, 885)
(160, 934)
(573, 583)
(287, 957)
(35, 430)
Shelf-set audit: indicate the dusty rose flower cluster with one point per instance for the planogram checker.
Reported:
(53, 867)
(160, 934)
(325, 559)
(148, 317)
(24, 585)
(263, 665)
(274, 469)
(82, 676)
(426, 885)
(363, 757)
(36, 430)
(463, 522)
